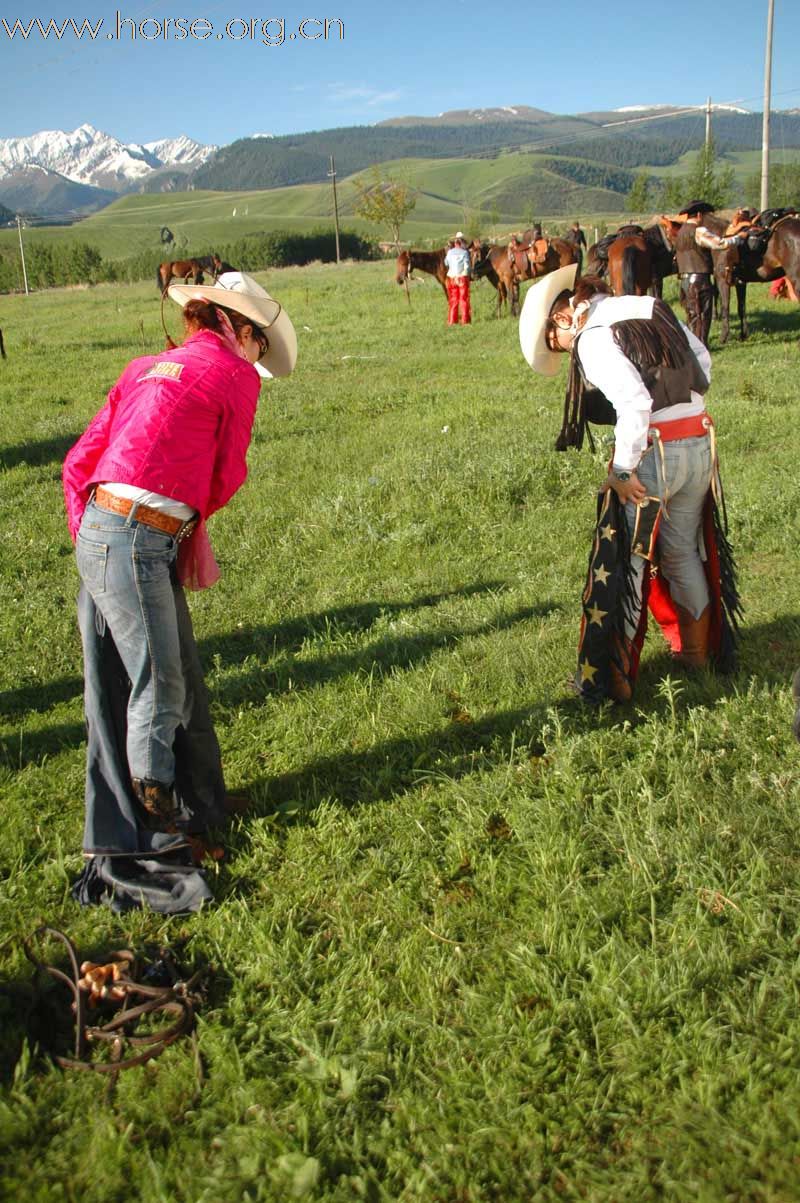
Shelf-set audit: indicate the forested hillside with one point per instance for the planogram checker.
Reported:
(305, 158)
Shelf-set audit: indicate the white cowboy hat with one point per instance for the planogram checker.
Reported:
(238, 291)
(533, 319)
(459, 234)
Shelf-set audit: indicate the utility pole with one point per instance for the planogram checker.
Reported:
(22, 253)
(708, 123)
(332, 176)
(767, 102)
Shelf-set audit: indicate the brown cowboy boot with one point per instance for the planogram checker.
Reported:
(158, 802)
(694, 638)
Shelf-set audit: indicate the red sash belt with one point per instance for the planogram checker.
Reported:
(682, 428)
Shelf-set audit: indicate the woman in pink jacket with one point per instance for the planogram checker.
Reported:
(165, 452)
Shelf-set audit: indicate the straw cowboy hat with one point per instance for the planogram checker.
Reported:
(238, 291)
(533, 319)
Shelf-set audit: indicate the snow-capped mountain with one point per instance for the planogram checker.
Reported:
(677, 108)
(89, 156)
(179, 152)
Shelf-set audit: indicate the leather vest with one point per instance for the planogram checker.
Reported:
(666, 385)
(689, 256)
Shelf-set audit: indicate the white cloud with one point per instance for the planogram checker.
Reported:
(371, 97)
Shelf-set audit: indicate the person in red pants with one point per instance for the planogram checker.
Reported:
(457, 263)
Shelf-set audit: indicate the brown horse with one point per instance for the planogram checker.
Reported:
(736, 267)
(630, 269)
(657, 257)
(431, 262)
(493, 263)
(532, 260)
(751, 263)
(186, 269)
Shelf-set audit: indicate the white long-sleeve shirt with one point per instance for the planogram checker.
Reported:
(605, 367)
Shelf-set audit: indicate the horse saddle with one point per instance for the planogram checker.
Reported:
(601, 249)
(537, 252)
(770, 217)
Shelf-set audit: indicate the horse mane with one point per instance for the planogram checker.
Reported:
(418, 258)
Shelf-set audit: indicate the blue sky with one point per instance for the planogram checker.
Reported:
(407, 58)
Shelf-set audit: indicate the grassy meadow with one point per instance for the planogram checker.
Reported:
(474, 943)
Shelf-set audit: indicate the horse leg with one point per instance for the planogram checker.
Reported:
(722, 308)
(741, 305)
(514, 292)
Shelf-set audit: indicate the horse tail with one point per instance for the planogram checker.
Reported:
(160, 278)
(629, 270)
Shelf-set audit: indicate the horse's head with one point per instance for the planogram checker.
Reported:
(479, 258)
(403, 266)
(670, 227)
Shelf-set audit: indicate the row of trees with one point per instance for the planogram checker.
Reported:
(706, 179)
(711, 180)
(52, 265)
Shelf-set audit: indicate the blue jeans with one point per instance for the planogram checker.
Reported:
(127, 569)
(687, 476)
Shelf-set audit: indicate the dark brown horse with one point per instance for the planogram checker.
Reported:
(431, 262)
(188, 269)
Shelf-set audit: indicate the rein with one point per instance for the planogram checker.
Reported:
(114, 983)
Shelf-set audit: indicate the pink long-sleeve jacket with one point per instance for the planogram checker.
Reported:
(178, 424)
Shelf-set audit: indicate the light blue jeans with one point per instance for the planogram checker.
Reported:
(126, 567)
(686, 479)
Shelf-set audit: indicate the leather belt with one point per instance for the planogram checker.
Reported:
(178, 528)
(683, 428)
(695, 277)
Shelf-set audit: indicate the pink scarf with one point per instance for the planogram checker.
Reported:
(228, 334)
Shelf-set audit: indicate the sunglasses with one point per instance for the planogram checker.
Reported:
(557, 321)
(262, 340)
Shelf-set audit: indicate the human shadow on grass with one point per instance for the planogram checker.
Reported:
(35, 455)
(381, 773)
(391, 652)
(233, 647)
(290, 634)
(23, 747)
(767, 322)
(27, 699)
(769, 653)
(391, 768)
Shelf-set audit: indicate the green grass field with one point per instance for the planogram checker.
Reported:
(474, 943)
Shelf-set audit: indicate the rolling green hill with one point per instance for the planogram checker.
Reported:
(490, 196)
(486, 195)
